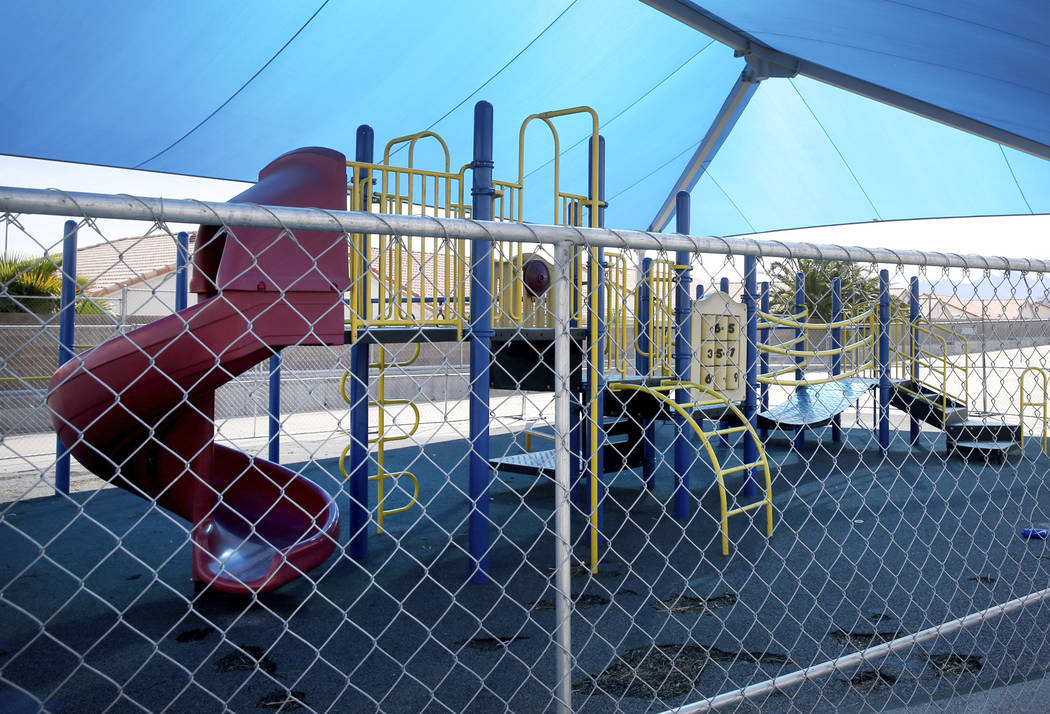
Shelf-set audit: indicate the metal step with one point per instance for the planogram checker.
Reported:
(986, 437)
(984, 429)
(541, 463)
(926, 404)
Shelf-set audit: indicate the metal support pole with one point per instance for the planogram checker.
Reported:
(563, 458)
(723, 285)
(66, 336)
(182, 260)
(884, 361)
(800, 305)
(480, 347)
(836, 344)
(274, 415)
(358, 368)
(913, 346)
(763, 358)
(733, 106)
(751, 369)
(701, 423)
(596, 280)
(642, 365)
(682, 359)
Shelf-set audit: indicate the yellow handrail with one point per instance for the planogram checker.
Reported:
(1041, 404)
(661, 393)
(939, 363)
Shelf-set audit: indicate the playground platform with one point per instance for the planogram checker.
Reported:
(858, 537)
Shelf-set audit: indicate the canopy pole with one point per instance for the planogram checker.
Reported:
(743, 89)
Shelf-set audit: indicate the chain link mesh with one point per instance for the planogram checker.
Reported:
(879, 519)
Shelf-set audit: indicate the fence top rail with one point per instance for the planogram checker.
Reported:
(123, 206)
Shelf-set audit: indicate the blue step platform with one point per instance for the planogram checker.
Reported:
(815, 405)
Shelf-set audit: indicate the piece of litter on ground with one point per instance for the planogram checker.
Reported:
(1037, 532)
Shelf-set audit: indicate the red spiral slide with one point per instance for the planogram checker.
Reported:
(138, 410)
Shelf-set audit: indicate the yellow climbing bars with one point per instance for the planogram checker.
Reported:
(1038, 403)
(382, 437)
(858, 351)
(663, 394)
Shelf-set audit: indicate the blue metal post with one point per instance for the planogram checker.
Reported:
(358, 368)
(682, 359)
(763, 358)
(800, 305)
(182, 260)
(66, 336)
(700, 422)
(884, 361)
(480, 347)
(597, 273)
(913, 320)
(274, 454)
(723, 285)
(836, 344)
(642, 365)
(751, 367)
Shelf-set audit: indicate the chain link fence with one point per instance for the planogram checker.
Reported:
(522, 467)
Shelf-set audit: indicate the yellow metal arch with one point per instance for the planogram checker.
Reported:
(662, 394)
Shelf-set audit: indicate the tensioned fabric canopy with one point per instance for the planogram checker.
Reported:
(219, 89)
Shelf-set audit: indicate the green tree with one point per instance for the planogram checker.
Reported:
(860, 286)
(34, 285)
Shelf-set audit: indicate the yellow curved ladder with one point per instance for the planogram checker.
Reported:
(663, 394)
(382, 439)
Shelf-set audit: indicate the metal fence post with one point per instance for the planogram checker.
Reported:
(563, 456)
(66, 336)
(836, 345)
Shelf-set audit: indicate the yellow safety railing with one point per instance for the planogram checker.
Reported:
(663, 394)
(617, 314)
(857, 350)
(382, 438)
(907, 353)
(1040, 403)
(399, 281)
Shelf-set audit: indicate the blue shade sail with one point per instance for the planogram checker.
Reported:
(219, 89)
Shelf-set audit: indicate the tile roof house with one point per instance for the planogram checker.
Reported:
(135, 275)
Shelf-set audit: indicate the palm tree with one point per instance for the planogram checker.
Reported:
(860, 286)
(34, 285)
